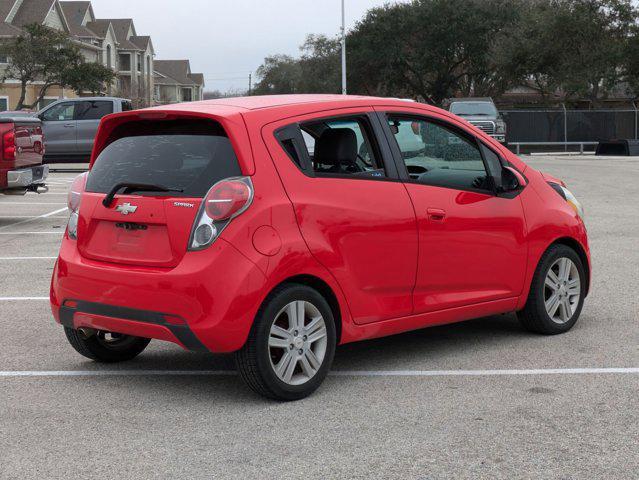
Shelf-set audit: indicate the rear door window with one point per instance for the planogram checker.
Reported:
(187, 156)
(93, 110)
(342, 146)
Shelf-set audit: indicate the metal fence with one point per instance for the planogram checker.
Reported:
(569, 127)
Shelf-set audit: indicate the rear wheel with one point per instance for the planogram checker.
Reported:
(291, 346)
(104, 346)
(557, 292)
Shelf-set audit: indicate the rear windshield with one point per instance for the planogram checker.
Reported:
(187, 156)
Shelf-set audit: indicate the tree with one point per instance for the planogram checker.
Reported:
(278, 74)
(49, 56)
(320, 65)
(432, 50)
(88, 77)
(573, 49)
(429, 49)
(316, 71)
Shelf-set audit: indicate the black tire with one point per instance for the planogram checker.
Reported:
(534, 316)
(98, 349)
(254, 359)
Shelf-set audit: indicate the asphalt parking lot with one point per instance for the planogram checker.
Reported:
(482, 399)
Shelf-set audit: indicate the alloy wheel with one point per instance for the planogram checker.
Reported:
(297, 342)
(562, 290)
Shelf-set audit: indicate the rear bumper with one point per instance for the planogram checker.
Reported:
(208, 302)
(27, 177)
(79, 314)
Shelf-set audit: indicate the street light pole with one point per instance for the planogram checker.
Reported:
(343, 50)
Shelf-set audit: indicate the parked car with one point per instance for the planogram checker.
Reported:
(482, 113)
(70, 125)
(210, 225)
(21, 154)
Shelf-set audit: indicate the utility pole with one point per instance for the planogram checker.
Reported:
(344, 89)
(250, 84)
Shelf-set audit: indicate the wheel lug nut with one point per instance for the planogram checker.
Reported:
(300, 351)
(305, 338)
(296, 333)
(292, 346)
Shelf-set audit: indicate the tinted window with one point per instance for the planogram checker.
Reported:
(492, 160)
(93, 110)
(60, 113)
(342, 146)
(474, 108)
(189, 156)
(438, 155)
(126, 106)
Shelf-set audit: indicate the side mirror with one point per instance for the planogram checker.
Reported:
(511, 180)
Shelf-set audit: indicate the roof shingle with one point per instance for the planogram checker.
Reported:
(178, 70)
(32, 11)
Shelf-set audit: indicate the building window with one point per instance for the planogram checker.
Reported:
(187, 95)
(4, 104)
(125, 62)
(139, 57)
(109, 60)
(4, 59)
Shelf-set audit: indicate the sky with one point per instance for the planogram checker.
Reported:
(228, 39)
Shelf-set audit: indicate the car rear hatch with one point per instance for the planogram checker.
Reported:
(163, 168)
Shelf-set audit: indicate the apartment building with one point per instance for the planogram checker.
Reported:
(174, 82)
(113, 42)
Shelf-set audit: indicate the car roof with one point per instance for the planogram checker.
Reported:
(226, 106)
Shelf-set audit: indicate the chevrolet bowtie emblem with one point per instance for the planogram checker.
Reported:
(126, 208)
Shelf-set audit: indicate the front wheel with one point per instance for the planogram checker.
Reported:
(106, 347)
(557, 292)
(291, 346)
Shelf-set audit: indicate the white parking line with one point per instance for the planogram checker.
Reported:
(30, 194)
(23, 299)
(46, 215)
(59, 232)
(8, 259)
(337, 373)
(31, 203)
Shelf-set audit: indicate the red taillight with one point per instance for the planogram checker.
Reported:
(9, 145)
(226, 199)
(75, 191)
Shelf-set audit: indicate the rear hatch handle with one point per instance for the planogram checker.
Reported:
(135, 187)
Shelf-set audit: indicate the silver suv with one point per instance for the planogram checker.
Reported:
(482, 113)
(70, 125)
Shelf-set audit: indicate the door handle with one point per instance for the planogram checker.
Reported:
(69, 125)
(436, 214)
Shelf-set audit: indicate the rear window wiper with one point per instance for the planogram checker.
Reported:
(135, 187)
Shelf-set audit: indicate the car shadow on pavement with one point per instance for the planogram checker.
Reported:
(421, 349)
(432, 344)
(406, 349)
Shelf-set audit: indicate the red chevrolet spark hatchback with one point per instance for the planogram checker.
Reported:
(279, 227)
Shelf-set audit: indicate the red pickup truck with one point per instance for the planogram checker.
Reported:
(21, 153)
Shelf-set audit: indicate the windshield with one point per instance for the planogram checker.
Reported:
(177, 158)
(474, 108)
